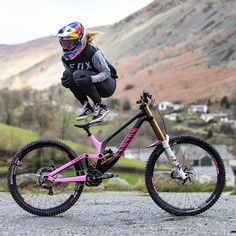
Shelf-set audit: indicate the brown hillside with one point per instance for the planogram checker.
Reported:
(179, 50)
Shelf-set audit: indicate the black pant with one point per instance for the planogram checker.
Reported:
(95, 91)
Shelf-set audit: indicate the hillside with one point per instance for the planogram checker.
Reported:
(179, 50)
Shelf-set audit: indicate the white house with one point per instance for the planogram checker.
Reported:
(210, 116)
(197, 109)
(225, 120)
(163, 106)
(172, 116)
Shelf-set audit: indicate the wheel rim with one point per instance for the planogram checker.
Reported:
(30, 185)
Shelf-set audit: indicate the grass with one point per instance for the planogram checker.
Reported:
(13, 137)
(131, 178)
(3, 169)
(233, 192)
(136, 164)
(105, 127)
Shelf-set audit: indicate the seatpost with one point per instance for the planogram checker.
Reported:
(88, 131)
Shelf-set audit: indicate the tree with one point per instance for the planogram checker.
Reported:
(10, 100)
(225, 103)
(27, 117)
(65, 122)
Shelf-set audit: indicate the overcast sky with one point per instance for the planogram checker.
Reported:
(24, 20)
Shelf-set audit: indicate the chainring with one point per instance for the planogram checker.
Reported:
(92, 179)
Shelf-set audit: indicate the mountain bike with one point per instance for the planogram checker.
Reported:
(184, 175)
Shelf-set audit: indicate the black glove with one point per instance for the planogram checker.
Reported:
(65, 81)
(84, 80)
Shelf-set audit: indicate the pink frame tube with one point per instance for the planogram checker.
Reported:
(81, 178)
(95, 143)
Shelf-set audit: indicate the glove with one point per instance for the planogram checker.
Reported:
(84, 80)
(65, 81)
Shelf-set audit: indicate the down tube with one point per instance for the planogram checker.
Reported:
(106, 166)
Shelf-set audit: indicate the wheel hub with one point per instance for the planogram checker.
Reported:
(42, 177)
(190, 176)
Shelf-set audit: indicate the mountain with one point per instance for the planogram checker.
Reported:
(181, 50)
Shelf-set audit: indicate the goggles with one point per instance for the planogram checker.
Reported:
(69, 44)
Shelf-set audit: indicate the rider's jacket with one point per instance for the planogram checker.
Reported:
(91, 62)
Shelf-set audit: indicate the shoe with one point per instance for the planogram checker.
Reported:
(87, 110)
(100, 112)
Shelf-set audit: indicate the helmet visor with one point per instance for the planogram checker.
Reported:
(69, 44)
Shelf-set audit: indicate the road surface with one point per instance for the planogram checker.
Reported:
(117, 213)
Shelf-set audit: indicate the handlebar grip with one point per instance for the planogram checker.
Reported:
(146, 94)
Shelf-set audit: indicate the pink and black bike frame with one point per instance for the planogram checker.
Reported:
(100, 148)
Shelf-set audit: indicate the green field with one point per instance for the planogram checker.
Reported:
(13, 137)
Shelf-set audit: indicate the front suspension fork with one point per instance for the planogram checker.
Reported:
(165, 142)
(172, 158)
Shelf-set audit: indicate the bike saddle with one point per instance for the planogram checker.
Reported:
(87, 124)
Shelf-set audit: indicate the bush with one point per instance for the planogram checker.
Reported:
(225, 103)
(129, 86)
(113, 103)
(209, 134)
(126, 105)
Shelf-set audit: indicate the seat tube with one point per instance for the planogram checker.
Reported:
(156, 128)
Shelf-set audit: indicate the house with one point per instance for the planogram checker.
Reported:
(197, 109)
(164, 106)
(225, 120)
(210, 116)
(172, 116)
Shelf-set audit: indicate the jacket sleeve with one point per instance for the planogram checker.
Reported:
(100, 64)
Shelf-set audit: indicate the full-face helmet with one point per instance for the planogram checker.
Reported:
(73, 40)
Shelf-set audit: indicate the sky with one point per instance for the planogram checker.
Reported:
(24, 20)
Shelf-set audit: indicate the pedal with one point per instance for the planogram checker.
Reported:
(106, 176)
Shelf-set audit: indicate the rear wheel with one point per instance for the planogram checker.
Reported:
(205, 177)
(27, 185)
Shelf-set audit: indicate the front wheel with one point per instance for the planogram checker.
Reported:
(26, 178)
(205, 171)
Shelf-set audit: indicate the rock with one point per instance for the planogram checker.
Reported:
(118, 184)
(26, 179)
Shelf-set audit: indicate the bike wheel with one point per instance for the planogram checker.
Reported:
(204, 185)
(31, 191)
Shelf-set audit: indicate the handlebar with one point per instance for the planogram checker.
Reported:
(144, 98)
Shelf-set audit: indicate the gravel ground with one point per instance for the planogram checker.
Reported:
(117, 213)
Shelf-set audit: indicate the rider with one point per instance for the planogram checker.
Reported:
(87, 73)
